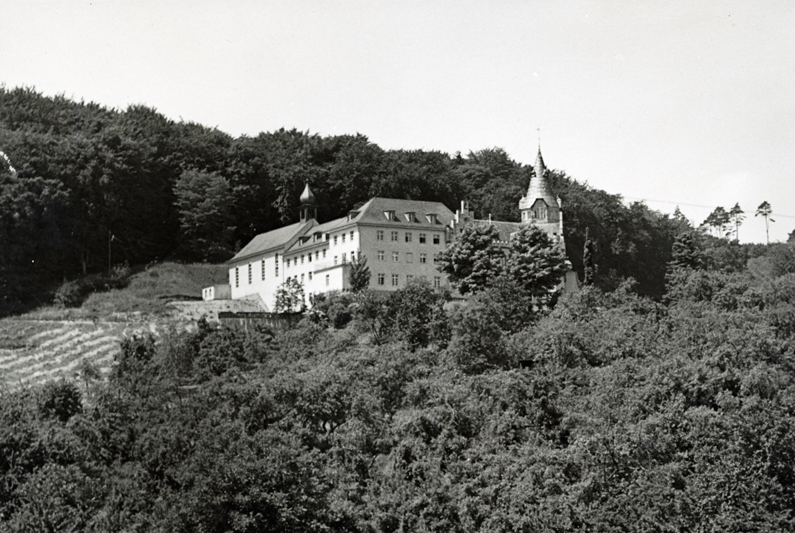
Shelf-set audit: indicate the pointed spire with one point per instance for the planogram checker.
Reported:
(539, 188)
(540, 168)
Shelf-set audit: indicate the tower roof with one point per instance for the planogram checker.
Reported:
(308, 197)
(539, 188)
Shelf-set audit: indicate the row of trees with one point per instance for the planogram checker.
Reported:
(720, 221)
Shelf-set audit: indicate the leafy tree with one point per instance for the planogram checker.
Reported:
(205, 213)
(290, 297)
(359, 276)
(415, 313)
(736, 215)
(765, 211)
(473, 259)
(535, 262)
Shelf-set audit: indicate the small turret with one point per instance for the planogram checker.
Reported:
(308, 204)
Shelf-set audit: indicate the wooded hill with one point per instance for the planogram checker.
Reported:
(90, 180)
(607, 411)
(611, 412)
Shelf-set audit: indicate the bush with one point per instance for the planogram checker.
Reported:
(334, 308)
(60, 400)
(70, 294)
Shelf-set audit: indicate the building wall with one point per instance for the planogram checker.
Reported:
(273, 277)
(409, 263)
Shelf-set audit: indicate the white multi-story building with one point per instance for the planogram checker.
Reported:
(399, 238)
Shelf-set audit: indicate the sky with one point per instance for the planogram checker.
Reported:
(674, 103)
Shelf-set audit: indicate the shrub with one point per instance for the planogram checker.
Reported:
(60, 400)
(69, 294)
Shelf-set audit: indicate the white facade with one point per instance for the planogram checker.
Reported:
(399, 238)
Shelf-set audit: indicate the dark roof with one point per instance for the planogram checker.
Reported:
(505, 228)
(273, 239)
(373, 211)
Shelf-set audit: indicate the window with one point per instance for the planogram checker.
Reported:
(302, 277)
(276, 265)
(437, 281)
(250, 275)
(423, 258)
(436, 238)
(395, 256)
(408, 236)
(380, 279)
(394, 280)
(262, 266)
(327, 280)
(317, 255)
(343, 237)
(380, 255)
(302, 259)
(422, 238)
(335, 259)
(351, 236)
(309, 257)
(390, 215)
(310, 276)
(335, 240)
(237, 277)
(409, 257)
(288, 263)
(324, 253)
(343, 257)
(394, 236)
(379, 235)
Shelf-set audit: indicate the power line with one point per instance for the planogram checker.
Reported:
(691, 205)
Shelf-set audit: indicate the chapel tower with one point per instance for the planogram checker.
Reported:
(539, 206)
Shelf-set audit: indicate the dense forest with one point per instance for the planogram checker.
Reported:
(94, 186)
(608, 412)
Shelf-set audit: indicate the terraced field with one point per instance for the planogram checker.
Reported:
(35, 351)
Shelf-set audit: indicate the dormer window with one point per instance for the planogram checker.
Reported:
(390, 215)
(352, 215)
(410, 216)
(431, 218)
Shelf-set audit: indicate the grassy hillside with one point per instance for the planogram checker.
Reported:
(145, 294)
(56, 342)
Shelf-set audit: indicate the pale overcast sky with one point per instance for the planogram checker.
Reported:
(674, 102)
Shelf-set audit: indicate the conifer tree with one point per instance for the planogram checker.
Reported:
(589, 266)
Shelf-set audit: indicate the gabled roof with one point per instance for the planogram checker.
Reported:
(272, 240)
(373, 211)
